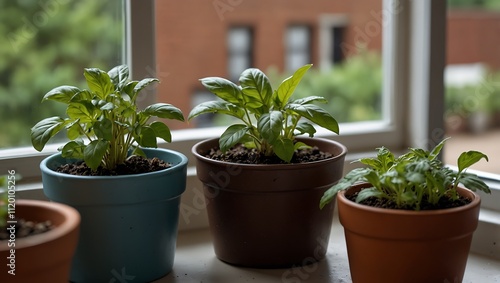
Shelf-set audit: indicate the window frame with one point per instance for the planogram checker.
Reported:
(413, 59)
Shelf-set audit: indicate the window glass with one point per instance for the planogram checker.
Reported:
(342, 39)
(472, 81)
(47, 44)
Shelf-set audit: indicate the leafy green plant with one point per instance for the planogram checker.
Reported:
(104, 123)
(270, 118)
(412, 178)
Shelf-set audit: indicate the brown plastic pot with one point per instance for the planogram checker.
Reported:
(392, 246)
(43, 258)
(268, 216)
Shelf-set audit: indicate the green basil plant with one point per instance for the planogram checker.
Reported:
(104, 123)
(270, 119)
(411, 178)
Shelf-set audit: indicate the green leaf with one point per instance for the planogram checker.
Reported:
(437, 149)
(469, 158)
(161, 131)
(73, 130)
(474, 183)
(305, 128)
(300, 145)
(164, 110)
(256, 85)
(222, 107)
(224, 89)
(83, 95)
(287, 87)
(73, 149)
(269, 125)
(231, 136)
(284, 149)
(316, 115)
(99, 82)
(61, 94)
(142, 84)
(82, 110)
(128, 88)
(103, 128)
(94, 153)
(147, 137)
(119, 75)
(368, 192)
(44, 130)
(310, 99)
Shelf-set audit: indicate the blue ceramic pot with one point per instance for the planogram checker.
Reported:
(128, 223)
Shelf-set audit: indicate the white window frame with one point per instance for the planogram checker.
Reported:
(413, 56)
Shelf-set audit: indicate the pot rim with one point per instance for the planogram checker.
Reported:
(343, 152)
(476, 201)
(44, 167)
(70, 223)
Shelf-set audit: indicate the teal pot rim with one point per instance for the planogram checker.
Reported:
(270, 178)
(110, 189)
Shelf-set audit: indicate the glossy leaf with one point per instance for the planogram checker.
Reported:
(94, 152)
(73, 150)
(469, 158)
(119, 76)
(287, 87)
(256, 85)
(142, 85)
(284, 149)
(164, 110)
(270, 125)
(161, 130)
(61, 94)
(99, 82)
(305, 128)
(147, 137)
(231, 136)
(104, 129)
(44, 130)
(221, 107)
(224, 89)
(316, 115)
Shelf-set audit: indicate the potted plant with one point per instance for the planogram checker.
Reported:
(129, 219)
(261, 182)
(31, 230)
(409, 220)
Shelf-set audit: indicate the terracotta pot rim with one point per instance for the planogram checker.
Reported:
(71, 222)
(265, 167)
(342, 198)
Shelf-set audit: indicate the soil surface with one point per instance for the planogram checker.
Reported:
(25, 228)
(443, 203)
(241, 154)
(133, 165)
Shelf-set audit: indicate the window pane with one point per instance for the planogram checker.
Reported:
(47, 44)
(472, 80)
(197, 39)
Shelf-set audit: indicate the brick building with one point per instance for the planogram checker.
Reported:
(196, 39)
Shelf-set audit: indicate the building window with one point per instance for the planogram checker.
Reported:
(297, 46)
(332, 35)
(240, 47)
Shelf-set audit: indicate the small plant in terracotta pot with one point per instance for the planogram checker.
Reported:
(412, 211)
(32, 229)
(112, 172)
(262, 182)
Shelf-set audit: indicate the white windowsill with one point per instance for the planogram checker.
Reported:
(195, 261)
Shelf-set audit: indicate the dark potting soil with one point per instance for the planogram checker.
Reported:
(241, 154)
(25, 228)
(443, 203)
(133, 165)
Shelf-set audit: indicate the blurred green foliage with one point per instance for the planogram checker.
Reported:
(48, 43)
(353, 88)
(481, 4)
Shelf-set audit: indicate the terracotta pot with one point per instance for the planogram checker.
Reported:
(44, 258)
(268, 215)
(388, 245)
